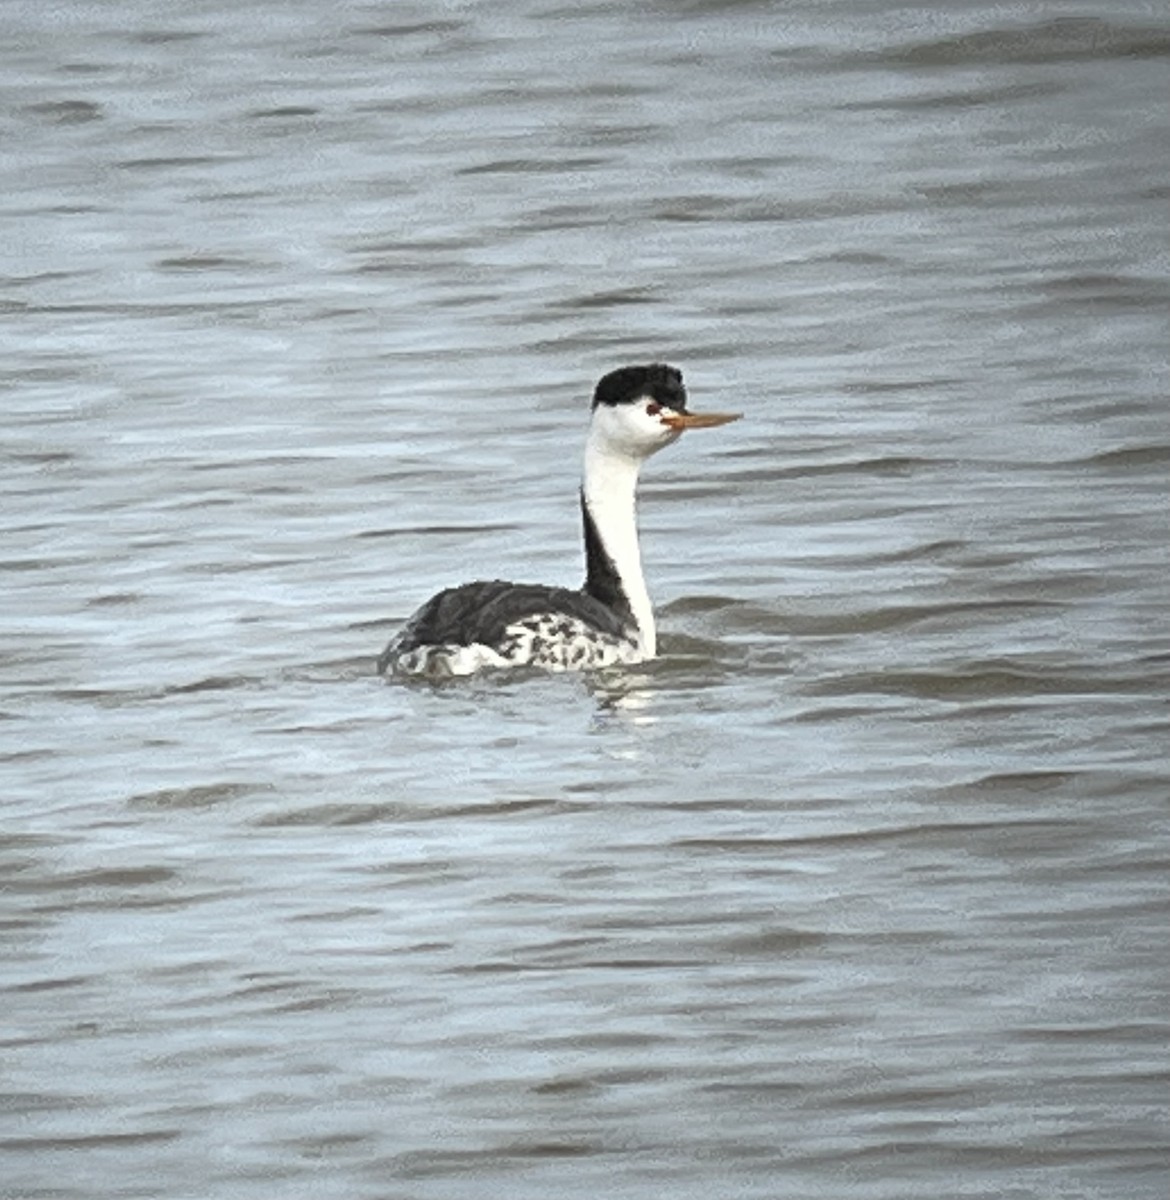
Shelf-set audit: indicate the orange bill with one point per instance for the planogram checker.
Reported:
(693, 420)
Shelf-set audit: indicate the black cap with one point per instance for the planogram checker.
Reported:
(659, 381)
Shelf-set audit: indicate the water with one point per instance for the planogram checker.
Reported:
(859, 890)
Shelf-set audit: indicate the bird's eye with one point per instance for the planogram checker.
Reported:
(652, 409)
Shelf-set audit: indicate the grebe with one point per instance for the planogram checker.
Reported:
(609, 620)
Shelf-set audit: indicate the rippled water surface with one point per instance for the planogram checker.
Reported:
(860, 890)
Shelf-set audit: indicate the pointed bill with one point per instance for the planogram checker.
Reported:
(694, 420)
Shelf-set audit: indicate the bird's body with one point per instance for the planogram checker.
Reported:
(493, 623)
(609, 620)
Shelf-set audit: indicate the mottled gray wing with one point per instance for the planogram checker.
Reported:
(481, 611)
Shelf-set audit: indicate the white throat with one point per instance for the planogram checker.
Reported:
(610, 485)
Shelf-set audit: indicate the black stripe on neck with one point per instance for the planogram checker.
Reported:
(602, 581)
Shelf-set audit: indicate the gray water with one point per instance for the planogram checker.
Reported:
(859, 891)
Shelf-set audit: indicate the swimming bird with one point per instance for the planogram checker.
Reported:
(637, 410)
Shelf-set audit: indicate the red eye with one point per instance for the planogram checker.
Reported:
(652, 409)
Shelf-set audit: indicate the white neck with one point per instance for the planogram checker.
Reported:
(611, 480)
